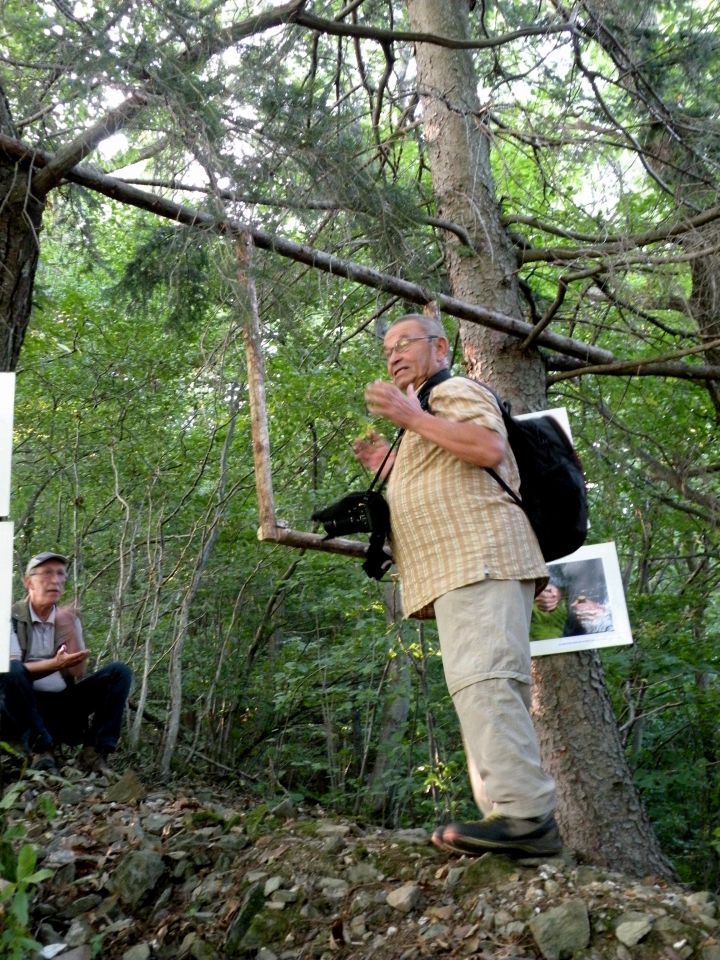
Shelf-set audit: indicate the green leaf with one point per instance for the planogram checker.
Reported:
(27, 860)
(19, 907)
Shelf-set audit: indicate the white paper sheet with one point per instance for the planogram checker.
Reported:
(6, 570)
(7, 406)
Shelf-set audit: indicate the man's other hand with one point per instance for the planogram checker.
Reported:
(371, 449)
(66, 660)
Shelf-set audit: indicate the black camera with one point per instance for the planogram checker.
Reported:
(365, 512)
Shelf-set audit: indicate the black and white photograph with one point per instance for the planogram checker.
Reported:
(583, 605)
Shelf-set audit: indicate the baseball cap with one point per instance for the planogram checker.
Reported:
(43, 558)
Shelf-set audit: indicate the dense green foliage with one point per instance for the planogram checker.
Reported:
(133, 447)
(19, 877)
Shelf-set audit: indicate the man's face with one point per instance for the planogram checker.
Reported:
(46, 583)
(414, 361)
(589, 612)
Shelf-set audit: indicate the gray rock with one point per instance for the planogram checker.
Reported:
(562, 931)
(633, 927)
(82, 905)
(286, 809)
(333, 888)
(141, 951)
(137, 874)
(51, 950)
(156, 822)
(80, 932)
(77, 953)
(414, 835)
(363, 873)
(671, 930)
(333, 830)
(286, 896)
(334, 844)
(702, 902)
(272, 884)
(253, 902)
(265, 954)
(70, 794)
(404, 898)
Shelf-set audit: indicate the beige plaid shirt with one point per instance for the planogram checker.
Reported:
(452, 523)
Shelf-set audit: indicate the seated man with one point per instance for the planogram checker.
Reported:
(46, 698)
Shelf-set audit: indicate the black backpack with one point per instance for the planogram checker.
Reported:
(552, 485)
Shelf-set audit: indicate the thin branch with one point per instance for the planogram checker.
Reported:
(336, 28)
(604, 248)
(634, 367)
(549, 314)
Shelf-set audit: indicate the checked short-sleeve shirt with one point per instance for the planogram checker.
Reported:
(452, 523)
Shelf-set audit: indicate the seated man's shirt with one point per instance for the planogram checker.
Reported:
(41, 646)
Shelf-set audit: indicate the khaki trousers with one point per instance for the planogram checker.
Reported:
(483, 629)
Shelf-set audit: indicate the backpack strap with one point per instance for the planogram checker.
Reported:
(423, 396)
(504, 407)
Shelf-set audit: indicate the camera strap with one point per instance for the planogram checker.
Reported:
(423, 396)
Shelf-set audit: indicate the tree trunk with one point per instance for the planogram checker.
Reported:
(599, 810)
(20, 224)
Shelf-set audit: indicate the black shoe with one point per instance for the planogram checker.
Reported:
(45, 760)
(516, 837)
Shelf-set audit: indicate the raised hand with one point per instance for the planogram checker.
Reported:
(371, 449)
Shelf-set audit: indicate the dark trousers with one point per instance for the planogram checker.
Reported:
(89, 711)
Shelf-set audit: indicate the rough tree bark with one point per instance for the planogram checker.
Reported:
(21, 215)
(599, 810)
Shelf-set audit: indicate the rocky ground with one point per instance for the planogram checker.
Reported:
(142, 873)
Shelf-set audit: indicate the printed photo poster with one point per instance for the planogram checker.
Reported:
(583, 606)
(6, 561)
(7, 406)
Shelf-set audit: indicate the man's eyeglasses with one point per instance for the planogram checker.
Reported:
(49, 574)
(403, 344)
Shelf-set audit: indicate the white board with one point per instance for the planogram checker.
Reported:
(7, 406)
(559, 414)
(6, 559)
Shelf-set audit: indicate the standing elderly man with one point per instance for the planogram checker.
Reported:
(466, 550)
(47, 698)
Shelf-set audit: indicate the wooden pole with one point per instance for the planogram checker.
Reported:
(270, 528)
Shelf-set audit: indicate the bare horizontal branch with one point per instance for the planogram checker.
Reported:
(328, 263)
(312, 541)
